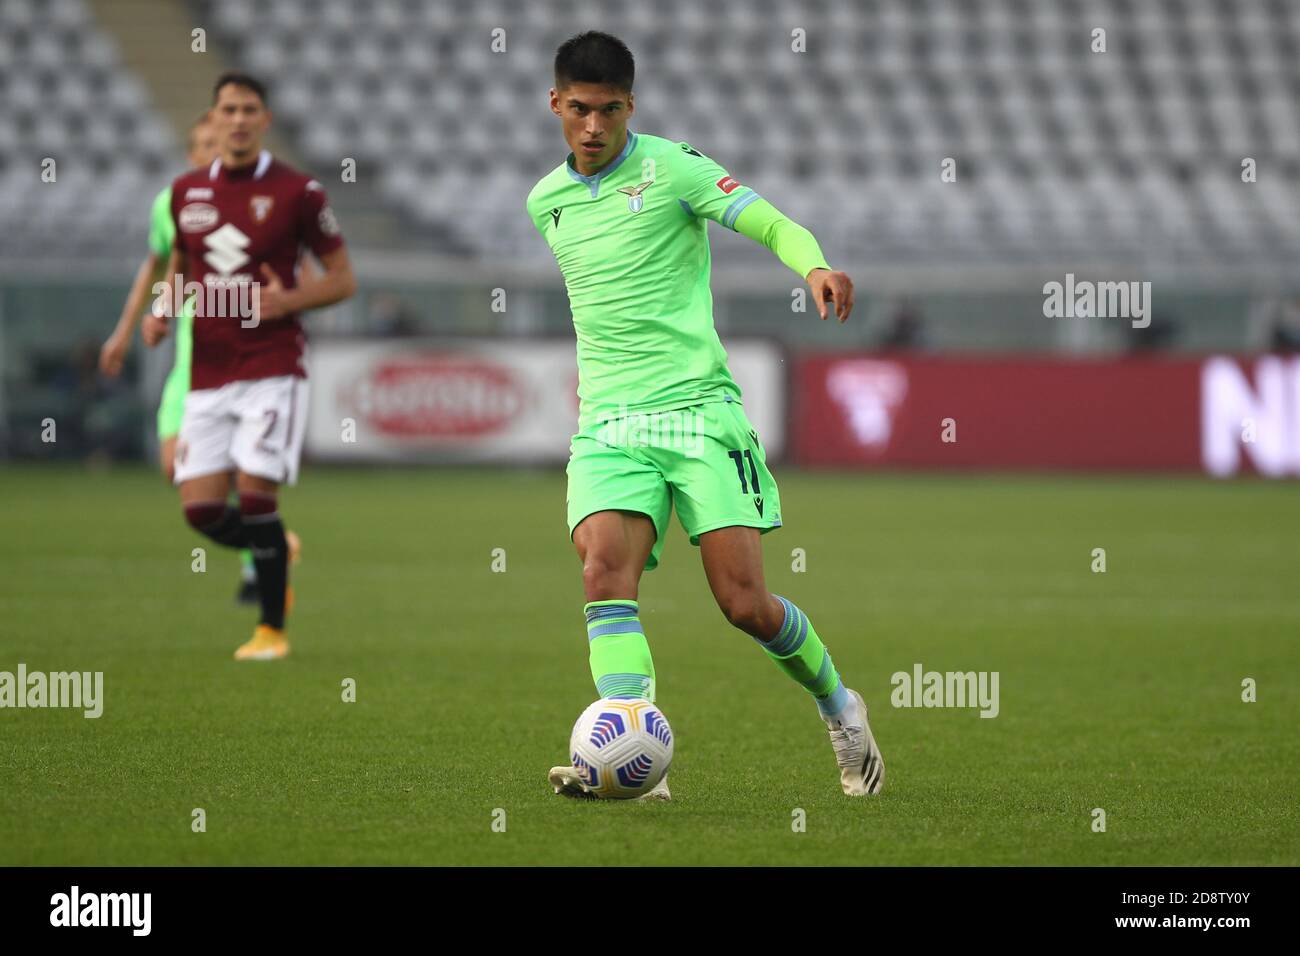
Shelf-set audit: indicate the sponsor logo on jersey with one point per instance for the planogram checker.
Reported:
(689, 150)
(198, 192)
(260, 207)
(728, 185)
(633, 193)
(197, 216)
(555, 216)
(226, 249)
(329, 225)
(315, 186)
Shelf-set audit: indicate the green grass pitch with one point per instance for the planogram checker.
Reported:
(1119, 690)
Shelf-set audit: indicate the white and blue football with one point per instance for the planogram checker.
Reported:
(622, 747)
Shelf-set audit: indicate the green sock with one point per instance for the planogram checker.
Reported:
(621, 664)
(799, 652)
(246, 568)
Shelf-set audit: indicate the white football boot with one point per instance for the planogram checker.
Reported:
(658, 792)
(568, 782)
(862, 768)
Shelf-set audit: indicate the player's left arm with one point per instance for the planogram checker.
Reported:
(315, 290)
(797, 248)
(336, 282)
(709, 191)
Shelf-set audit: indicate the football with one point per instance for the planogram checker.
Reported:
(622, 747)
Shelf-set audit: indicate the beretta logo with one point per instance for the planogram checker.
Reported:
(436, 396)
(198, 216)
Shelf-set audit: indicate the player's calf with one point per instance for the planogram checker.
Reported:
(796, 649)
(265, 537)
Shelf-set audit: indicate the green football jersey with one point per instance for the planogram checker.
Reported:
(162, 234)
(162, 230)
(632, 243)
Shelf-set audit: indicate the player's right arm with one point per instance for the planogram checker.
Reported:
(113, 353)
(156, 326)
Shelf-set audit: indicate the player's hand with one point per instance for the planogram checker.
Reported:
(833, 287)
(273, 298)
(113, 354)
(154, 329)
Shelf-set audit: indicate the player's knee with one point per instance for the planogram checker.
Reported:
(257, 505)
(604, 576)
(203, 515)
(745, 609)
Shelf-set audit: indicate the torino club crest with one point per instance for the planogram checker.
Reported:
(259, 207)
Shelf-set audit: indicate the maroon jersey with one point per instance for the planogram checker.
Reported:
(229, 222)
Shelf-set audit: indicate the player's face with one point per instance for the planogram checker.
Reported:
(203, 145)
(595, 122)
(241, 119)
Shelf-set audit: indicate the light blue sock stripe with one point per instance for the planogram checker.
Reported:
(836, 701)
(628, 609)
(786, 621)
(613, 627)
(622, 685)
(789, 619)
(794, 630)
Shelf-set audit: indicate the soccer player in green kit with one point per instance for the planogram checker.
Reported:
(626, 217)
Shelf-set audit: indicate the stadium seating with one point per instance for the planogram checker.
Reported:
(1063, 154)
(64, 96)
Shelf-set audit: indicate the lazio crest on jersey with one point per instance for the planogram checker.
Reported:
(634, 200)
(631, 241)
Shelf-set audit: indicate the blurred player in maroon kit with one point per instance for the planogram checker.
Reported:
(240, 224)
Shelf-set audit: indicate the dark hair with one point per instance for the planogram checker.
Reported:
(239, 79)
(594, 57)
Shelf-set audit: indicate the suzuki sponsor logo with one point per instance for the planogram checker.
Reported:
(226, 249)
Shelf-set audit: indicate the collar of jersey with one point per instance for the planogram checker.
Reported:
(263, 161)
(594, 180)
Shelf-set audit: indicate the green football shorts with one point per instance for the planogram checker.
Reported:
(706, 459)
